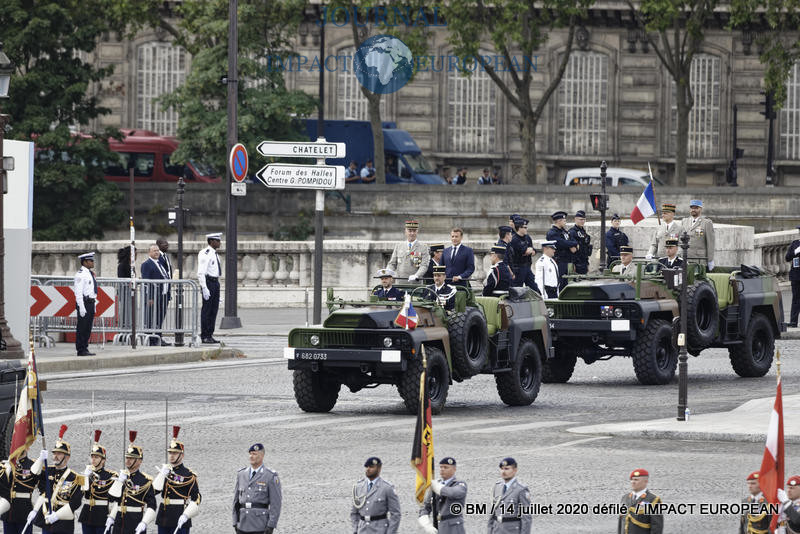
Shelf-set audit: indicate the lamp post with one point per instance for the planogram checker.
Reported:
(13, 347)
(179, 220)
(682, 356)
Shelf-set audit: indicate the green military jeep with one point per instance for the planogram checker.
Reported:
(360, 346)
(596, 318)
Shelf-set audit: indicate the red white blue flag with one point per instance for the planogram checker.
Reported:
(407, 318)
(645, 206)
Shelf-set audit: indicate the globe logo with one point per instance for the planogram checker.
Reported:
(383, 64)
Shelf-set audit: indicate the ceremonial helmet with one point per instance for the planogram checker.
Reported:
(133, 451)
(175, 445)
(61, 445)
(97, 449)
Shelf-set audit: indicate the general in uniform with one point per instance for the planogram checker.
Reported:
(565, 247)
(626, 268)
(701, 233)
(180, 492)
(387, 291)
(668, 228)
(510, 502)
(634, 521)
(376, 508)
(547, 275)
(17, 483)
(521, 254)
(57, 514)
(671, 260)
(208, 273)
(410, 258)
(257, 496)
(447, 491)
(445, 292)
(754, 523)
(499, 277)
(790, 506)
(615, 238)
(97, 483)
(579, 234)
(793, 256)
(134, 506)
(436, 250)
(85, 288)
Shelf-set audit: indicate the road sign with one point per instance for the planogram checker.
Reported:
(238, 189)
(59, 301)
(301, 150)
(238, 162)
(288, 176)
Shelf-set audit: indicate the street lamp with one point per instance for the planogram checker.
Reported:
(13, 347)
(683, 377)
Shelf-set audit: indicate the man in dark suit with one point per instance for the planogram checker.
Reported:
(793, 256)
(459, 260)
(156, 295)
(671, 260)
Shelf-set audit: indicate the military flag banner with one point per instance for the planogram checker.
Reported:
(645, 206)
(28, 418)
(407, 318)
(422, 450)
(771, 475)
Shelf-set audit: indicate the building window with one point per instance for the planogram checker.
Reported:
(704, 117)
(790, 117)
(160, 69)
(352, 104)
(471, 111)
(583, 104)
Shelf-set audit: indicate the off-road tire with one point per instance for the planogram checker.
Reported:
(5, 437)
(753, 357)
(520, 386)
(559, 370)
(315, 392)
(438, 381)
(469, 342)
(655, 358)
(702, 314)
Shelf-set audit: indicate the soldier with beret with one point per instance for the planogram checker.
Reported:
(387, 291)
(445, 292)
(565, 247)
(701, 233)
(671, 260)
(790, 506)
(754, 523)
(547, 275)
(668, 228)
(180, 493)
(499, 277)
(793, 256)
(615, 238)
(97, 483)
(257, 497)
(579, 234)
(376, 508)
(16, 489)
(435, 250)
(410, 257)
(56, 515)
(134, 506)
(510, 501)
(85, 289)
(522, 253)
(636, 520)
(449, 491)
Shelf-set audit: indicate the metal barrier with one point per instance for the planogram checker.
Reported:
(163, 307)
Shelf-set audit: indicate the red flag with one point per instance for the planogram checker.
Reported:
(422, 450)
(771, 475)
(28, 414)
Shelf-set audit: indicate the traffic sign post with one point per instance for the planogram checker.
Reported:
(239, 162)
(286, 176)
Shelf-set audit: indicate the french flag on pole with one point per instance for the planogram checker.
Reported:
(771, 474)
(407, 318)
(645, 206)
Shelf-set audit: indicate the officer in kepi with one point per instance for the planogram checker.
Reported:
(257, 496)
(16, 487)
(208, 273)
(499, 277)
(57, 514)
(436, 250)
(790, 506)
(510, 502)
(387, 291)
(450, 494)
(376, 508)
(793, 256)
(759, 522)
(547, 271)
(637, 520)
(444, 292)
(180, 492)
(410, 257)
(97, 483)
(565, 247)
(134, 506)
(701, 233)
(85, 288)
(579, 234)
(671, 260)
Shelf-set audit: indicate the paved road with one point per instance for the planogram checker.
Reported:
(223, 407)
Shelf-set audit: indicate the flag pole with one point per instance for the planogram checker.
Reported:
(434, 503)
(658, 213)
(778, 364)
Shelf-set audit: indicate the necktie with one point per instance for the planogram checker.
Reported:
(453, 255)
(252, 474)
(94, 282)
(409, 246)
(504, 489)
(169, 266)
(369, 486)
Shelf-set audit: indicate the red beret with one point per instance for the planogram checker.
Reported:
(793, 481)
(753, 476)
(639, 473)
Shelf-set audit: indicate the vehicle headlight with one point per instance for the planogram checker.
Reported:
(314, 339)
(618, 313)
(551, 312)
(387, 342)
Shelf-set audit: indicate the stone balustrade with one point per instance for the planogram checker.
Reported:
(771, 249)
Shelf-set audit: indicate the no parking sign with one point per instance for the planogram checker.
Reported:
(238, 163)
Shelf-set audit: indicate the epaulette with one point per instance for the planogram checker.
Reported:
(207, 250)
(148, 477)
(271, 471)
(243, 468)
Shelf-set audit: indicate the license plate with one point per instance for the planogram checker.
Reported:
(310, 355)
(620, 325)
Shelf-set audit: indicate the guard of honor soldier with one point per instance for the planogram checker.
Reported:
(671, 260)
(85, 288)
(499, 277)
(668, 228)
(521, 254)
(436, 250)
(547, 275)
(180, 492)
(754, 523)
(257, 496)
(636, 520)
(615, 238)
(387, 291)
(208, 273)
(445, 292)
(410, 258)
(789, 518)
(96, 486)
(579, 234)
(793, 256)
(565, 247)
(448, 491)
(17, 483)
(701, 233)
(376, 508)
(510, 502)
(57, 514)
(134, 506)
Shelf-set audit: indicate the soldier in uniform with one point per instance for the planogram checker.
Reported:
(499, 277)
(579, 234)
(85, 288)
(510, 499)
(17, 483)
(522, 252)
(436, 259)
(669, 227)
(387, 291)
(449, 491)
(376, 508)
(134, 506)
(547, 275)
(634, 522)
(445, 292)
(793, 256)
(180, 493)
(671, 260)
(701, 233)
(505, 235)
(95, 488)
(208, 273)
(410, 258)
(615, 238)
(627, 268)
(565, 247)
(57, 514)
(257, 497)
(790, 506)
(754, 523)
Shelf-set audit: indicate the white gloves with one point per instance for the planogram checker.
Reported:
(51, 518)
(436, 486)
(412, 278)
(31, 516)
(165, 469)
(425, 522)
(88, 471)
(43, 455)
(711, 266)
(109, 522)
(782, 497)
(648, 256)
(206, 293)
(123, 476)
(182, 521)
(141, 527)
(82, 311)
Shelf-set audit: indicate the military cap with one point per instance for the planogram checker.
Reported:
(372, 460)
(436, 247)
(133, 451)
(559, 215)
(580, 213)
(448, 460)
(61, 445)
(505, 229)
(215, 235)
(549, 244)
(793, 481)
(625, 249)
(498, 249)
(255, 447)
(508, 462)
(175, 445)
(696, 202)
(86, 256)
(521, 221)
(668, 207)
(671, 242)
(382, 273)
(412, 224)
(615, 217)
(753, 476)
(97, 449)
(639, 473)
(439, 269)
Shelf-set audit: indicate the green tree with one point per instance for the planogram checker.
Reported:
(512, 26)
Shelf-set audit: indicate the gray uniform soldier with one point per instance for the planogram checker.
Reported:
(701, 233)
(668, 228)
(411, 257)
(451, 494)
(376, 508)
(510, 502)
(257, 497)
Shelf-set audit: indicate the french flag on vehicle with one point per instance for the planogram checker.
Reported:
(407, 318)
(645, 206)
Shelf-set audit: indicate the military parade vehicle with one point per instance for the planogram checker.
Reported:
(360, 346)
(599, 317)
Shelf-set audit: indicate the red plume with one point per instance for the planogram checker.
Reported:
(97, 435)
(132, 435)
(175, 430)
(61, 431)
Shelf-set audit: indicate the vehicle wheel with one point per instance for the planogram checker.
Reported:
(702, 314)
(469, 342)
(754, 356)
(559, 370)
(5, 437)
(438, 381)
(520, 386)
(654, 356)
(315, 392)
